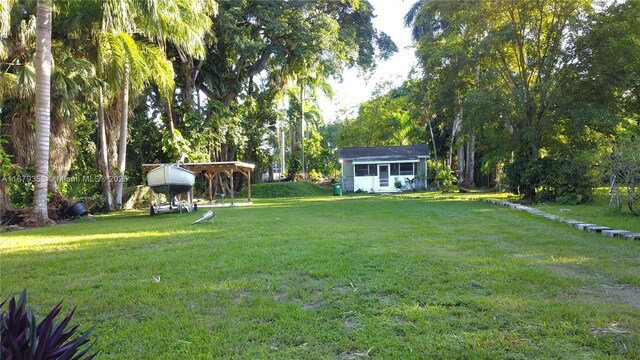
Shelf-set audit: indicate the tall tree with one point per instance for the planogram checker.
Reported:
(131, 64)
(72, 93)
(386, 120)
(43, 110)
(526, 47)
(271, 45)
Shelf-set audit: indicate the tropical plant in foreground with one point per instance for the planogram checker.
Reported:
(23, 338)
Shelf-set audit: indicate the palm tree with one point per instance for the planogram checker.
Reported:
(130, 64)
(43, 106)
(103, 159)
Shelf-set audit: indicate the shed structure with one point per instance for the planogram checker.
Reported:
(384, 168)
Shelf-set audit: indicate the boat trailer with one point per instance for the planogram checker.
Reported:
(173, 205)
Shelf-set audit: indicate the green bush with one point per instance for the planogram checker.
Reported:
(447, 180)
(524, 174)
(284, 190)
(315, 176)
(567, 181)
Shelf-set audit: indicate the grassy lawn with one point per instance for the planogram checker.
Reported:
(329, 277)
(597, 212)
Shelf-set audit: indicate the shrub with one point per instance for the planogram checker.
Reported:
(562, 179)
(623, 166)
(23, 338)
(567, 181)
(524, 174)
(284, 189)
(447, 180)
(398, 184)
(315, 176)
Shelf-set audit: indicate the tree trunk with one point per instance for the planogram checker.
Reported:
(470, 162)
(43, 111)
(433, 140)
(302, 128)
(457, 122)
(283, 148)
(5, 201)
(461, 166)
(122, 151)
(103, 158)
(294, 150)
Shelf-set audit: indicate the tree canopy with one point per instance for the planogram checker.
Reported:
(204, 78)
(534, 94)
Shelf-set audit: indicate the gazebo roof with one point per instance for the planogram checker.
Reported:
(209, 166)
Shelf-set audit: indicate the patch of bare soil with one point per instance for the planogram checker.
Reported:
(311, 306)
(350, 325)
(604, 288)
(244, 294)
(385, 299)
(624, 294)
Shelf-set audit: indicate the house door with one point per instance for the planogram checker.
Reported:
(383, 175)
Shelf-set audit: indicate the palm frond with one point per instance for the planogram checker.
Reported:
(313, 117)
(27, 32)
(185, 23)
(139, 69)
(79, 67)
(26, 80)
(5, 17)
(116, 16)
(63, 86)
(161, 70)
(111, 59)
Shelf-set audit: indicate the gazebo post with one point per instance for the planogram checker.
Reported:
(249, 184)
(209, 177)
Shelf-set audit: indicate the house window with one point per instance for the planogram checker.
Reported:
(395, 169)
(366, 170)
(406, 169)
(362, 170)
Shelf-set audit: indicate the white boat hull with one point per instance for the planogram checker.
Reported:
(171, 180)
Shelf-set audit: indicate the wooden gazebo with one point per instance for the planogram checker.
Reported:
(210, 169)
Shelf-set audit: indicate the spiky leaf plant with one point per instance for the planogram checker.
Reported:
(23, 338)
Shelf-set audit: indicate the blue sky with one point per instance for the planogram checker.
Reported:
(356, 87)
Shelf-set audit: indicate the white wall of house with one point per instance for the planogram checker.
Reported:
(381, 177)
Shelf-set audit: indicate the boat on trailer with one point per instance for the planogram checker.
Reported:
(171, 180)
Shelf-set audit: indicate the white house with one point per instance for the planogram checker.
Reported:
(384, 168)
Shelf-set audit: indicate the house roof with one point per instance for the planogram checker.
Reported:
(384, 153)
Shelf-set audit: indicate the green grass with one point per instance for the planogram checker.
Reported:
(597, 212)
(285, 190)
(331, 277)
